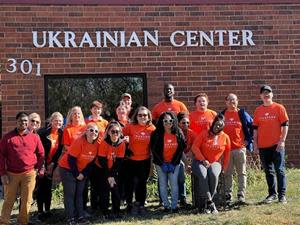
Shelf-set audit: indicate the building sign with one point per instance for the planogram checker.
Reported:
(105, 39)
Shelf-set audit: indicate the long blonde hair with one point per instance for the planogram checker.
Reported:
(71, 112)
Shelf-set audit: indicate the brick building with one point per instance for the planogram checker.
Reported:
(216, 46)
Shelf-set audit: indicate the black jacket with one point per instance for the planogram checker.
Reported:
(44, 134)
(157, 147)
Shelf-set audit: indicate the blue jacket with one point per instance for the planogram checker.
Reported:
(246, 121)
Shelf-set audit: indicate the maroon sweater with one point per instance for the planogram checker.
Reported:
(20, 153)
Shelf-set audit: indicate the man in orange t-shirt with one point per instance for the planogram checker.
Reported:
(169, 104)
(270, 131)
(238, 126)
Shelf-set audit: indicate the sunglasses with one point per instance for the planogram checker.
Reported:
(35, 121)
(93, 130)
(114, 131)
(168, 121)
(185, 122)
(142, 115)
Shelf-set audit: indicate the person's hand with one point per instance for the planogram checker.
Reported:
(111, 181)
(41, 172)
(5, 179)
(206, 163)
(50, 168)
(80, 177)
(280, 146)
(255, 148)
(126, 139)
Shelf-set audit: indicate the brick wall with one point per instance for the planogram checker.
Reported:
(215, 70)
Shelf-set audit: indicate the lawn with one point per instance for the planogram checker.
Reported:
(254, 213)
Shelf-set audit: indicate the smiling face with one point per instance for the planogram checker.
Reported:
(142, 117)
(201, 103)
(218, 126)
(184, 123)
(232, 102)
(34, 122)
(76, 116)
(121, 111)
(92, 132)
(22, 123)
(169, 91)
(96, 111)
(168, 123)
(266, 97)
(57, 122)
(114, 133)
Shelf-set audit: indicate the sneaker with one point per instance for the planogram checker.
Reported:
(71, 222)
(82, 221)
(142, 210)
(167, 210)
(228, 198)
(241, 199)
(174, 210)
(269, 199)
(41, 216)
(212, 208)
(282, 199)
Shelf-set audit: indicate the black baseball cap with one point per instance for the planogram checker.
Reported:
(265, 88)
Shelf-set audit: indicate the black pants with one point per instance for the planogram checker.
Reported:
(94, 177)
(44, 193)
(137, 171)
(105, 191)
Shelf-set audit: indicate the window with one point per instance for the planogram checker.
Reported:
(62, 92)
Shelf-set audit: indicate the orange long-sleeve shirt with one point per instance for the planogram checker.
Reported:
(212, 148)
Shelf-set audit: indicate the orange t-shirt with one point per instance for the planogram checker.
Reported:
(111, 152)
(71, 133)
(170, 147)
(139, 140)
(102, 124)
(83, 151)
(201, 121)
(54, 145)
(234, 129)
(190, 138)
(268, 119)
(211, 148)
(174, 106)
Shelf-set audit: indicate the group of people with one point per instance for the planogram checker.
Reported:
(115, 158)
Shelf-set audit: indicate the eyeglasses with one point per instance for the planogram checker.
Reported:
(93, 130)
(114, 131)
(168, 121)
(142, 115)
(35, 121)
(185, 122)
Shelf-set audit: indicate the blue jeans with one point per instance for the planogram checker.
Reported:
(163, 186)
(274, 167)
(73, 194)
(181, 181)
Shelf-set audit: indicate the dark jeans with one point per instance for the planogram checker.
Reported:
(44, 193)
(95, 177)
(274, 167)
(137, 171)
(73, 192)
(181, 182)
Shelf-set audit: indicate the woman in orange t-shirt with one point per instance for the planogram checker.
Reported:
(74, 167)
(202, 118)
(122, 114)
(111, 153)
(137, 165)
(51, 138)
(75, 126)
(208, 148)
(167, 146)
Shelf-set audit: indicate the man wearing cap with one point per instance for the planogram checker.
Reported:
(21, 152)
(270, 130)
(169, 104)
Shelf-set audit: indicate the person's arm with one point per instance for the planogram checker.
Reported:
(73, 165)
(3, 150)
(281, 143)
(255, 140)
(40, 154)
